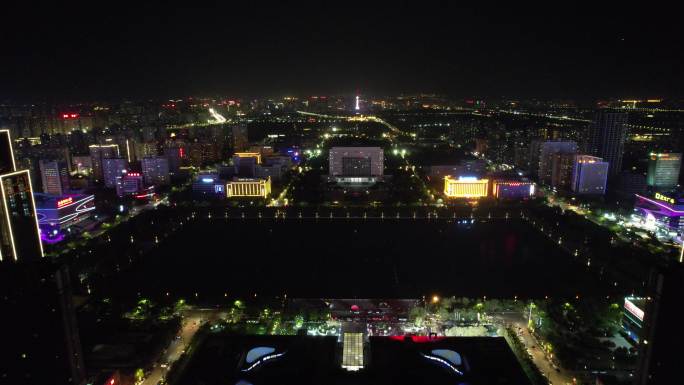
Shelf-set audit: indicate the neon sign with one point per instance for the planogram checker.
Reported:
(634, 310)
(63, 202)
(664, 198)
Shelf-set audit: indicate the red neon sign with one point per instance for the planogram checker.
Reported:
(416, 339)
(64, 202)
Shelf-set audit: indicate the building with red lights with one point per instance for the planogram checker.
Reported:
(129, 184)
(503, 189)
(58, 213)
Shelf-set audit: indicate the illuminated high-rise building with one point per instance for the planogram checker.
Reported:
(552, 162)
(19, 232)
(99, 152)
(663, 170)
(589, 175)
(201, 153)
(155, 170)
(561, 170)
(54, 175)
(112, 168)
(176, 154)
(607, 137)
(146, 149)
(126, 146)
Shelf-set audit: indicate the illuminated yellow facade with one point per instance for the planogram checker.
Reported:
(256, 155)
(465, 187)
(249, 188)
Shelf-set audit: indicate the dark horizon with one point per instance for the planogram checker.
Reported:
(125, 50)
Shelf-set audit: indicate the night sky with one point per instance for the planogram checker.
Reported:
(86, 51)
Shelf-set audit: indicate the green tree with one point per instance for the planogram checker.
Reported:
(417, 315)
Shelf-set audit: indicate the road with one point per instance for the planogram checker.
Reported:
(540, 359)
(134, 211)
(192, 320)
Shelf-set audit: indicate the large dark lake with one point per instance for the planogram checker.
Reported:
(360, 258)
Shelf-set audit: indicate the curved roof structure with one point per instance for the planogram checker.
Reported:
(258, 352)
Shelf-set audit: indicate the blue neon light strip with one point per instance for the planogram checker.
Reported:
(443, 362)
(264, 359)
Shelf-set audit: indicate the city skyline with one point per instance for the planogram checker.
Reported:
(349, 193)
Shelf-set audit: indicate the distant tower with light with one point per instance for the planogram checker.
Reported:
(356, 106)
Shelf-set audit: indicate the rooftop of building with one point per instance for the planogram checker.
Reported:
(263, 359)
(51, 201)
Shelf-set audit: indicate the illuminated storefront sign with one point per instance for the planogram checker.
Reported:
(64, 202)
(634, 310)
(664, 198)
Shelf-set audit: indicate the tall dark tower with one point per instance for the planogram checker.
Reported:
(6, 155)
(607, 137)
(661, 334)
(19, 232)
(42, 344)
